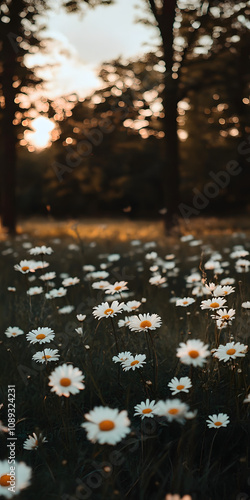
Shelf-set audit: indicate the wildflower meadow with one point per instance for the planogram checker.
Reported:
(125, 368)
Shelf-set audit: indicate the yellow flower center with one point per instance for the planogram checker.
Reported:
(5, 480)
(173, 411)
(108, 311)
(226, 316)
(231, 351)
(117, 288)
(185, 302)
(106, 425)
(65, 382)
(146, 410)
(193, 354)
(40, 336)
(14, 333)
(214, 305)
(25, 268)
(47, 356)
(135, 362)
(180, 387)
(218, 424)
(145, 324)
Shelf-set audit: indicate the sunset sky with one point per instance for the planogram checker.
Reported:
(82, 43)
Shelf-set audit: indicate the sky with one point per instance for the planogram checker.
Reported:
(82, 43)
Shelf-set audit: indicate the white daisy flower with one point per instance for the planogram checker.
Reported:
(88, 268)
(41, 335)
(246, 305)
(40, 264)
(101, 275)
(55, 293)
(186, 301)
(180, 385)
(124, 322)
(211, 287)
(145, 409)
(144, 322)
(106, 425)
(32, 442)
(121, 357)
(11, 289)
(134, 362)
(19, 481)
(193, 278)
(70, 281)
(224, 315)
(118, 286)
(227, 281)
(193, 352)
(66, 309)
(239, 254)
(25, 266)
(212, 304)
(157, 280)
(35, 290)
(100, 285)
(174, 409)
(105, 310)
(43, 250)
(114, 257)
(217, 421)
(46, 355)
(247, 399)
(131, 305)
(231, 350)
(81, 317)
(66, 380)
(13, 331)
(242, 265)
(222, 291)
(48, 276)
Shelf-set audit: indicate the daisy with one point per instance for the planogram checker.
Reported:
(41, 335)
(193, 278)
(66, 309)
(81, 317)
(61, 292)
(247, 399)
(25, 266)
(11, 289)
(180, 385)
(19, 481)
(239, 254)
(186, 301)
(43, 250)
(145, 322)
(222, 291)
(105, 310)
(35, 290)
(174, 409)
(145, 409)
(242, 265)
(118, 286)
(46, 355)
(193, 352)
(66, 380)
(216, 421)
(212, 304)
(70, 281)
(106, 425)
(114, 257)
(224, 315)
(100, 285)
(227, 281)
(88, 268)
(124, 322)
(13, 331)
(134, 362)
(246, 305)
(231, 350)
(211, 287)
(40, 264)
(32, 442)
(131, 305)
(157, 280)
(121, 357)
(101, 275)
(48, 276)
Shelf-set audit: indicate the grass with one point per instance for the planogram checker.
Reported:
(157, 457)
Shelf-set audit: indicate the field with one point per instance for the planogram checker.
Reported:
(193, 440)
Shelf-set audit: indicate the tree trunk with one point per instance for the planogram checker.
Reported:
(170, 172)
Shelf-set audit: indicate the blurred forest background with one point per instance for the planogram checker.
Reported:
(154, 131)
